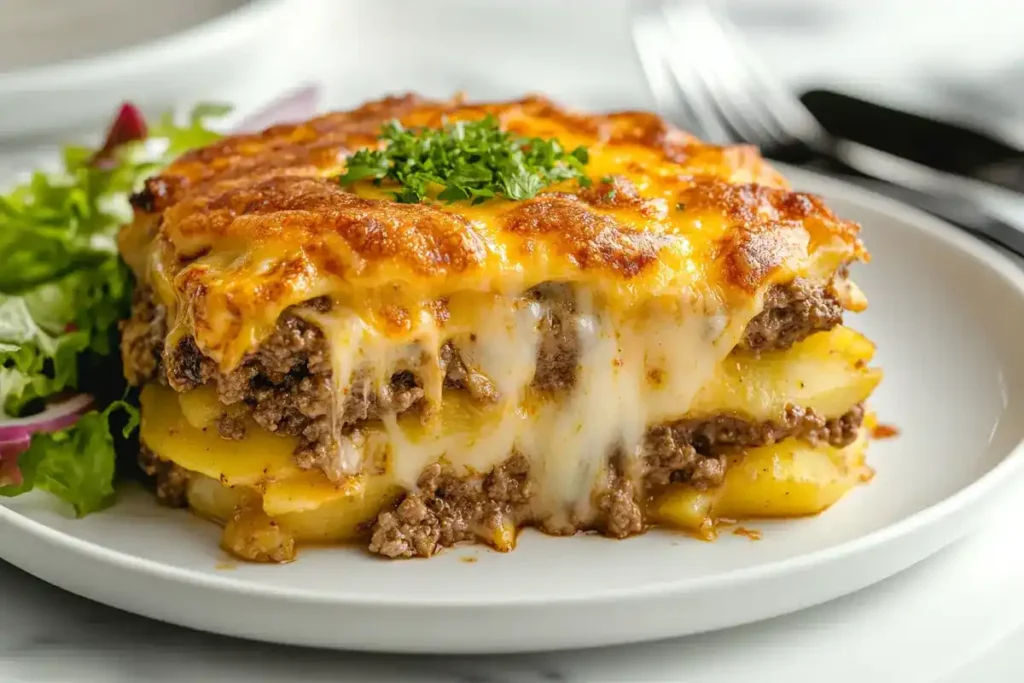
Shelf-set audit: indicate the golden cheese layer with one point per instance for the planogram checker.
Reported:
(232, 234)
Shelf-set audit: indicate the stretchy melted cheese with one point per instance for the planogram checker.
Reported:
(668, 257)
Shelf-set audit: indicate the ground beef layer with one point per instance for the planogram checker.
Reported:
(447, 509)
(286, 385)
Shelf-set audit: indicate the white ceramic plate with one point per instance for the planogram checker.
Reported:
(222, 57)
(947, 314)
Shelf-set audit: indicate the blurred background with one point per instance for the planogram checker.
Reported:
(66, 64)
(959, 58)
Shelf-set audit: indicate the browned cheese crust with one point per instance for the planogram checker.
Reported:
(234, 233)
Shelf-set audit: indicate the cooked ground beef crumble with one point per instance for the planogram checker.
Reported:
(286, 387)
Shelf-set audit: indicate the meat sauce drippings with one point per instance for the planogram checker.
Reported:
(884, 431)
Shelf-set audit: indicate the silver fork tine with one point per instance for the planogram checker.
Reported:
(703, 76)
(694, 30)
(781, 109)
(649, 39)
(707, 120)
(654, 44)
(731, 88)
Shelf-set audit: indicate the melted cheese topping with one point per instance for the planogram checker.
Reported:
(669, 255)
(635, 368)
(231, 235)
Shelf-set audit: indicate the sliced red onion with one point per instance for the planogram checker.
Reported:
(297, 105)
(16, 433)
(56, 415)
(129, 125)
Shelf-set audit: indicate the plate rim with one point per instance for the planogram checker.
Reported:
(212, 35)
(972, 494)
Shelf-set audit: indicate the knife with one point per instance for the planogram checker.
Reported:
(924, 163)
(941, 145)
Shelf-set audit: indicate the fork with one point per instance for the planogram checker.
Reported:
(705, 78)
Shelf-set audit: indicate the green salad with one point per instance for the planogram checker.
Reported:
(63, 289)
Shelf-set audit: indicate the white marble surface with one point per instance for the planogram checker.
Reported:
(955, 618)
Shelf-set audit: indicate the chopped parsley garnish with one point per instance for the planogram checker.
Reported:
(473, 160)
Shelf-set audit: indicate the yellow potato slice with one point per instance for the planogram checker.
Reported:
(200, 406)
(789, 479)
(171, 435)
(826, 372)
(338, 519)
(341, 519)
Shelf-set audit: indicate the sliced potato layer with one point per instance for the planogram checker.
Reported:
(338, 519)
(827, 372)
(789, 479)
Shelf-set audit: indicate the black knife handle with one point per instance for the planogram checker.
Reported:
(941, 145)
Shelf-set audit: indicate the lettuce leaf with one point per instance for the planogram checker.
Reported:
(75, 464)
(194, 133)
(63, 289)
(35, 364)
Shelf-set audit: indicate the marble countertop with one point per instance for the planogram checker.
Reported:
(954, 618)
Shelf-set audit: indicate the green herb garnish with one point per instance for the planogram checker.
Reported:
(473, 160)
